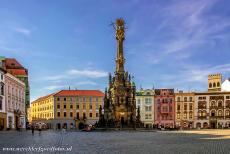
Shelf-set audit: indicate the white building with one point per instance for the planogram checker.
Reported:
(145, 101)
(15, 102)
(2, 100)
(226, 85)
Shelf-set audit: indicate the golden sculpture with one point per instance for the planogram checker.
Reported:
(119, 101)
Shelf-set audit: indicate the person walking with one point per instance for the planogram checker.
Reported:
(39, 128)
(32, 129)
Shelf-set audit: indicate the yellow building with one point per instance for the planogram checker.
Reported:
(214, 82)
(68, 108)
(184, 107)
(42, 110)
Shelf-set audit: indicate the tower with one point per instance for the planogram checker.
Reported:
(119, 101)
(214, 82)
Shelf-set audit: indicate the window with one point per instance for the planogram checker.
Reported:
(170, 108)
(185, 115)
(178, 115)
(185, 106)
(71, 114)
(58, 114)
(148, 108)
(58, 106)
(214, 84)
(190, 99)
(139, 101)
(84, 116)
(227, 97)
(148, 116)
(71, 106)
(64, 99)
(64, 106)
(90, 106)
(218, 84)
(2, 89)
(96, 114)
(77, 115)
(58, 99)
(170, 100)
(178, 99)
(97, 106)
(178, 107)
(210, 85)
(90, 99)
(190, 115)
(185, 99)
(148, 101)
(77, 106)
(190, 106)
(64, 114)
(83, 106)
(227, 113)
(90, 115)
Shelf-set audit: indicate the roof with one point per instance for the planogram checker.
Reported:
(18, 71)
(80, 93)
(42, 98)
(12, 63)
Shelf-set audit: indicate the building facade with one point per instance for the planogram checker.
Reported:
(145, 102)
(212, 110)
(184, 109)
(15, 102)
(3, 114)
(13, 67)
(42, 110)
(164, 108)
(214, 82)
(68, 108)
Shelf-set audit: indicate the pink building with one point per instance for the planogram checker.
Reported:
(164, 108)
(15, 102)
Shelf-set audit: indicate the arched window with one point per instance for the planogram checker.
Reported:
(218, 84)
(219, 103)
(214, 84)
(185, 99)
(220, 113)
(178, 99)
(213, 113)
(210, 85)
(227, 113)
(213, 103)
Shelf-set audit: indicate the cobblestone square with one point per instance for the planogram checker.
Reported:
(120, 141)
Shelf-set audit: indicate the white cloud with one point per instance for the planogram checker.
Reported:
(88, 73)
(23, 31)
(74, 73)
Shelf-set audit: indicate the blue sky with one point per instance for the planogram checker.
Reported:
(171, 43)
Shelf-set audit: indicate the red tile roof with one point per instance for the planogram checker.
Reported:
(17, 71)
(43, 97)
(12, 63)
(80, 93)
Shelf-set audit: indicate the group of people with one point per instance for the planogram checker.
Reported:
(33, 128)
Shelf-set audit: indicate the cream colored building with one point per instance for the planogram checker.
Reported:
(184, 109)
(15, 102)
(67, 108)
(145, 101)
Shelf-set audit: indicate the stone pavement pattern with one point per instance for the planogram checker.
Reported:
(119, 142)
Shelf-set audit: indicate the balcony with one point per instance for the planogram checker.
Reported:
(202, 117)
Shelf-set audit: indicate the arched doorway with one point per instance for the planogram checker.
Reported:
(205, 125)
(81, 125)
(58, 126)
(64, 126)
(198, 125)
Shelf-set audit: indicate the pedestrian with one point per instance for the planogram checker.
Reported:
(39, 128)
(32, 129)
